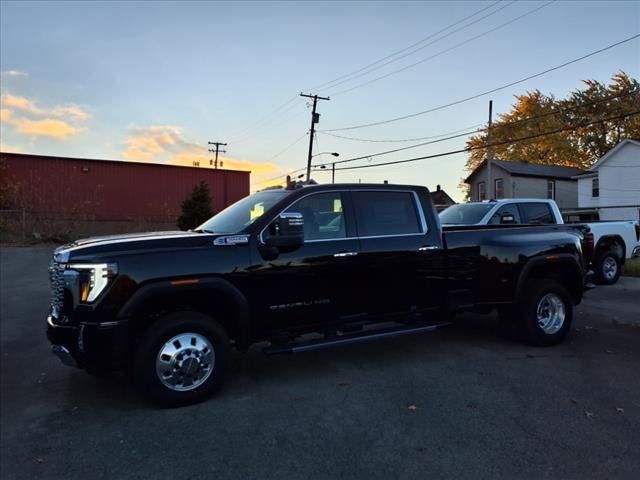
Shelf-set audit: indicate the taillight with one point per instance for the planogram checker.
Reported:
(588, 245)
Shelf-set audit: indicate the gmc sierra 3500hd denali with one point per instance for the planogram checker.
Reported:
(302, 268)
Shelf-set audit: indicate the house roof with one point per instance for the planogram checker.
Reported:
(440, 197)
(612, 152)
(527, 169)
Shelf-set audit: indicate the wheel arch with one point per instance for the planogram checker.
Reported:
(563, 268)
(608, 242)
(214, 297)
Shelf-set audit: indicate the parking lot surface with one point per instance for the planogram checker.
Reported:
(464, 402)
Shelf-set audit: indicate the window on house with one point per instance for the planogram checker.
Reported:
(595, 187)
(551, 189)
(499, 188)
(482, 191)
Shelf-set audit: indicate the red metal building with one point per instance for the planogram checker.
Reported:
(110, 190)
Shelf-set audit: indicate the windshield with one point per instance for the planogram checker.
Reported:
(464, 213)
(243, 213)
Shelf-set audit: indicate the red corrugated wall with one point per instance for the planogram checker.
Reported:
(115, 190)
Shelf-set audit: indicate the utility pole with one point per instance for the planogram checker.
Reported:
(315, 118)
(216, 151)
(490, 151)
(333, 172)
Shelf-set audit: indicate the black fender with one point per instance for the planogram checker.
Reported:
(563, 266)
(209, 289)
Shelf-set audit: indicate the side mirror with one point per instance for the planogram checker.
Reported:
(288, 231)
(506, 219)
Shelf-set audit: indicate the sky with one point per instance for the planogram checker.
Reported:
(155, 81)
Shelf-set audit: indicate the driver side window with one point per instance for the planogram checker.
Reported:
(323, 216)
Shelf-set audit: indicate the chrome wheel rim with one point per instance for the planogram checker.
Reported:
(185, 362)
(609, 268)
(550, 313)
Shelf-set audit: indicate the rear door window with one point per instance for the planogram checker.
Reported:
(536, 213)
(386, 213)
(510, 209)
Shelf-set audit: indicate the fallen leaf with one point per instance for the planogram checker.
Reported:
(620, 410)
(412, 408)
(39, 460)
(575, 402)
(421, 449)
(588, 414)
(344, 384)
(609, 351)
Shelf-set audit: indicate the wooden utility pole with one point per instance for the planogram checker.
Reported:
(217, 149)
(489, 188)
(315, 118)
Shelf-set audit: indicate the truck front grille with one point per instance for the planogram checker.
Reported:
(56, 281)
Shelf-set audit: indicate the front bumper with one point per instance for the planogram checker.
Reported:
(89, 345)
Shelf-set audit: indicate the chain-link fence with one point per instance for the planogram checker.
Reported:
(21, 225)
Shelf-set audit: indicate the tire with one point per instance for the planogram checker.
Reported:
(544, 317)
(170, 364)
(608, 268)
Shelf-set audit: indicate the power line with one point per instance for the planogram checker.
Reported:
(266, 126)
(402, 140)
(469, 40)
(421, 48)
(496, 126)
(487, 92)
(262, 120)
(327, 84)
(288, 147)
(241, 132)
(469, 149)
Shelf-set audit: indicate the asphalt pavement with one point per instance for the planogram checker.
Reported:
(464, 402)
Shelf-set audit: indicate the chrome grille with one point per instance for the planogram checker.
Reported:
(56, 281)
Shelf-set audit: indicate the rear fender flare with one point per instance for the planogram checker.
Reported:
(565, 264)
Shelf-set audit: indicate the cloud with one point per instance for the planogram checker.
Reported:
(13, 73)
(167, 144)
(27, 118)
(5, 115)
(47, 127)
(68, 111)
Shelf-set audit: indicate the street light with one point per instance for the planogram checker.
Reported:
(335, 154)
(333, 165)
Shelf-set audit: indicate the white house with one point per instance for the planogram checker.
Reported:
(612, 185)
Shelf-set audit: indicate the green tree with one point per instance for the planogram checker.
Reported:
(577, 148)
(196, 208)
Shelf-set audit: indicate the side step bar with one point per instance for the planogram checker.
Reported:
(358, 337)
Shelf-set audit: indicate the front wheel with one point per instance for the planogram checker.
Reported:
(608, 268)
(182, 359)
(546, 314)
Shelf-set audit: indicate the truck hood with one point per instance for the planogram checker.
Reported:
(97, 247)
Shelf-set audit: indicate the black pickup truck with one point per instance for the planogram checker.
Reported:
(303, 267)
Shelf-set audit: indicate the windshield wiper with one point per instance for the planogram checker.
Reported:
(203, 230)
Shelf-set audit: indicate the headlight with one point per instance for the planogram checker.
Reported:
(94, 277)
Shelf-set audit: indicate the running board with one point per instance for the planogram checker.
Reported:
(345, 339)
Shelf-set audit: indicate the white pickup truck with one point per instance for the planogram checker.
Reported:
(611, 244)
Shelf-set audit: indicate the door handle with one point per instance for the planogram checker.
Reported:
(345, 254)
(428, 248)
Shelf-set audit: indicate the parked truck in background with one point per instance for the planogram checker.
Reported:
(609, 244)
(301, 268)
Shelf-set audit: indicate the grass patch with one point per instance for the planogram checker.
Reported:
(632, 268)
